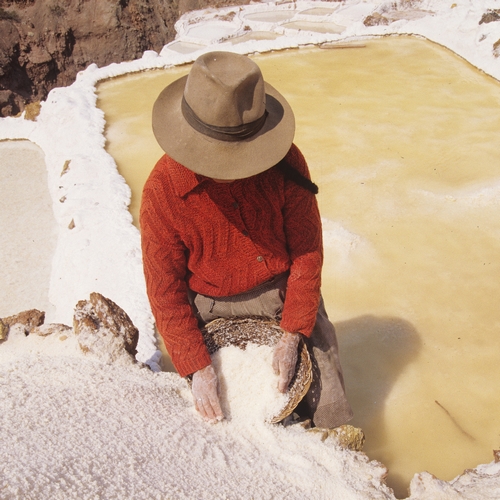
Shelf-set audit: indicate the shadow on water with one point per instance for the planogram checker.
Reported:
(374, 352)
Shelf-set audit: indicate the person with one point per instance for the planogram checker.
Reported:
(230, 227)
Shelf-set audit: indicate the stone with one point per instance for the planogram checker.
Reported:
(4, 330)
(490, 16)
(8, 41)
(496, 48)
(44, 44)
(10, 103)
(65, 167)
(376, 19)
(38, 55)
(349, 437)
(51, 329)
(104, 329)
(28, 319)
(32, 110)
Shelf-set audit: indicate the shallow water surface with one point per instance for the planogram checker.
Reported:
(402, 138)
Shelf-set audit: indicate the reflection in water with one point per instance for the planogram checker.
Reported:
(402, 138)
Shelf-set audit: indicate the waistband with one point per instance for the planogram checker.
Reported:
(278, 281)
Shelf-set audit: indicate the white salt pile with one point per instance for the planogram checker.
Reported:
(248, 386)
(74, 427)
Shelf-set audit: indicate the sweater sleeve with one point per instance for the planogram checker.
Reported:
(305, 245)
(164, 261)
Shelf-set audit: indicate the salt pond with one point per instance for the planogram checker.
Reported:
(28, 237)
(401, 136)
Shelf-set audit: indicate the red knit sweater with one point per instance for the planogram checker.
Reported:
(221, 239)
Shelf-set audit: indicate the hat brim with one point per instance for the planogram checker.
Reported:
(222, 159)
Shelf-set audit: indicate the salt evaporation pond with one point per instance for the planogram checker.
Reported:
(402, 138)
(29, 237)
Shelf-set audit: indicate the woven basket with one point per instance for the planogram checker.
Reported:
(239, 332)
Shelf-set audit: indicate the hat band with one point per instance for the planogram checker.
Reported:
(231, 134)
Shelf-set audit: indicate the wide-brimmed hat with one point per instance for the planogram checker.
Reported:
(223, 120)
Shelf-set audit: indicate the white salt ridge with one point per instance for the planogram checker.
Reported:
(248, 385)
(73, 427)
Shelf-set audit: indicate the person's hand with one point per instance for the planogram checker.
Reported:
(205, 389)
(285, 359)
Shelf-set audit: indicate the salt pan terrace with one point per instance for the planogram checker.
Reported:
(404, 158)
(417, 335)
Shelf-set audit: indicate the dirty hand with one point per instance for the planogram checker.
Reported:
(285, 359)
(206, 395)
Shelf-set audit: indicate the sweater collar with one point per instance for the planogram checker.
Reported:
(183, 179)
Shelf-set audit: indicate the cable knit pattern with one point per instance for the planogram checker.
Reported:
(221, 239)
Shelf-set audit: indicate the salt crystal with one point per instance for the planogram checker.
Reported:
(248, 386)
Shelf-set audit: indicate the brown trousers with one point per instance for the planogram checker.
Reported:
(325, 403)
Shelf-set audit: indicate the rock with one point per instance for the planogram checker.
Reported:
(65, 167)
(28, 319)
(490, 16)
(50, 329)
(348, 437)
(9, 42)
(15, 87)
(4, 330)
(376, 19)
(104, 329)
(32, 110)
(45, 44)
(496, 48)
(10, 103)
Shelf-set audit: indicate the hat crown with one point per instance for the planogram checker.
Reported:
(222, 120)
(225, 90)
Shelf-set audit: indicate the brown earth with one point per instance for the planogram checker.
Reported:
(45, 43)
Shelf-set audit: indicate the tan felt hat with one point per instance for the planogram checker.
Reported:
(222, 120)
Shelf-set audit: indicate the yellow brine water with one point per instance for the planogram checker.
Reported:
(402, 138)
